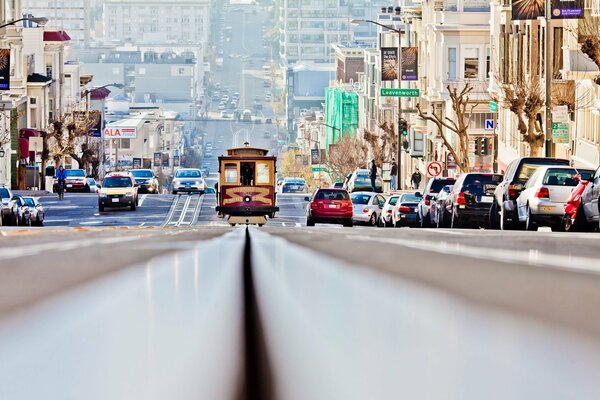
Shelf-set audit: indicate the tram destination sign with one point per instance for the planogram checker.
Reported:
(400, 92)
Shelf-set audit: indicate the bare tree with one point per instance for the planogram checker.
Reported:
(526, 101)
(347, 155)
(459, 125)
(588, 35)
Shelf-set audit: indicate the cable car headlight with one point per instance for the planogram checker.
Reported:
(247, 199)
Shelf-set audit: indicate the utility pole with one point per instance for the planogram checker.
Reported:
(399, 183)
(549, 75)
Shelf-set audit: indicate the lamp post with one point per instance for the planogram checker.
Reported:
(549, 74)
(40, 21)
(399, 32)
(87, 95)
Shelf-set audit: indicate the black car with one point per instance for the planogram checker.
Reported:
(406, 214)
(471, 199)
(503, 212)
(430, 192)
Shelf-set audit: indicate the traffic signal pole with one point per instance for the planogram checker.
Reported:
(400, 182)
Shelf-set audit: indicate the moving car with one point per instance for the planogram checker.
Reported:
(118, 190)
(471, 199)
(293, 185)
(360, 180)
(329, 206)
(590, 202)
(406, 210)
(544, 197)
(503, 212)
(188, 180)
(432, 188)
(367, 207)
(145, 180)
(76, 181)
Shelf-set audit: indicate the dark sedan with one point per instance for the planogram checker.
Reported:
(407, 213)
(471, 199)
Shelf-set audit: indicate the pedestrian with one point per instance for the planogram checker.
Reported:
(415, 179)
(373, 175)
(61, 177)
(394, 175)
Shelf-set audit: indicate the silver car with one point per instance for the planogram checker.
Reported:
(31, 211)
(367, 207)
(188, 180)
(543, 199)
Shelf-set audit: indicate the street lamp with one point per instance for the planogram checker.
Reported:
(40, 21)
(399, 32)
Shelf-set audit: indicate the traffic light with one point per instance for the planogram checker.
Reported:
(481, 146)
(405, 145)
(403, 127)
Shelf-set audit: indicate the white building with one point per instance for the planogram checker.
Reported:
(72, 16)
(143, 21)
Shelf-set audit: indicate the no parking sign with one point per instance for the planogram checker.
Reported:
(434, 169)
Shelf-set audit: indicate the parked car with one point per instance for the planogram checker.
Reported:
(93, 184)
(188, 180)
(544, 197)
(471, 199)
(329, 206)
(503, 213)
(439, 214)
(360, 181)
(30, 211)
(432, 188)
(590, 202)
(367, 207)
(407, 210)
(118, 190)
(8, 207)
(574, 219)
(293, 185)
(205, 170)
(145, 180)
(210, 190)
(338, 185)
(387, 218)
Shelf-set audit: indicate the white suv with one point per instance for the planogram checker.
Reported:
(8, 207)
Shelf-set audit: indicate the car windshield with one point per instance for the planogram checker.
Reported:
(561, 177)
(188, 174)
(410, 198)
(142, 174)
(393, 200)
(439, 184)
(117, 182)
(4, 193)
(527, 169)
(332, 195)
(29, 201)
(79, 173)
(361, 198)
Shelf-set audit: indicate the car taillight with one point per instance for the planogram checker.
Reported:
(543, 193)
(427, 200)
(461, 199)
(314, 204)
(404, 209)
(513, 191)
(365, 210)
(346, 204)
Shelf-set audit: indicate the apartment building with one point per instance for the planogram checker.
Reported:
(309, 28)
(72, 16)
(143, 21)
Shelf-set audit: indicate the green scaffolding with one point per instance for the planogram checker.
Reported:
(341, 114)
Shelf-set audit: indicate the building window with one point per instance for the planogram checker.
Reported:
(471, 63)
(452, 75)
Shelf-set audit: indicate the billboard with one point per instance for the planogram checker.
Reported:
(389, 63)
(89, 120)
(534, 9)
(165, 159)
(410, 64)
(176, 161)
(147, 163)
(157, 159)
(4, 69)
(120, 133)
(137, 163)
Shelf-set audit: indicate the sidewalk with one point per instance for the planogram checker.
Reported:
(32, 193)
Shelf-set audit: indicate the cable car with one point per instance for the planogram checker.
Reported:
(247, 186)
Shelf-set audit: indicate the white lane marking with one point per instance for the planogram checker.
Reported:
(531, 257)
(450, 232)
(56, 220)
(142, 200)
(92, 222)
(142, 224)
(298, 225)
(283, 224)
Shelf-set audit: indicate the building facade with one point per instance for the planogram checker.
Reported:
(73, 16)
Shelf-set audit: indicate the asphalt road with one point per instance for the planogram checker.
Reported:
(295, 313)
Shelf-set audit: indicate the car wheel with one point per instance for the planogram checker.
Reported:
(566, 224)
(373, 220)
(100, 207)
(529, 222)
(174, 191)
(87, 189)
(454, 222)
(422, 221)
(504, 224)
(13, 220)
(493, 219)
(348, 223)
(133, 206)
(310, 222)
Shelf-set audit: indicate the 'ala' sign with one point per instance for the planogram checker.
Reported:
(120, 133)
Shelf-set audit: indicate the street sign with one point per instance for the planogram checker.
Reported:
(493, 107)
(560, 114)
(319, 169)
(36, 144)
(434, 169)
(560, 132)
(400, 92)
(489, 125)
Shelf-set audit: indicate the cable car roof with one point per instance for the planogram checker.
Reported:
(247, 151)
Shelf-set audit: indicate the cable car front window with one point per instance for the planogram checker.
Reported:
(231, 173)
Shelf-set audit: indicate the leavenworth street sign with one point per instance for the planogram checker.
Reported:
(560, 132)
(400, 92)
(319, 169)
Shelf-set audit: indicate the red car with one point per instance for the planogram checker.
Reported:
(329, 205)
(574, 219)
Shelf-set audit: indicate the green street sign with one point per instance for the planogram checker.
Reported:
(560, 132)
(493, 107)
(400, 92)
(319, 169)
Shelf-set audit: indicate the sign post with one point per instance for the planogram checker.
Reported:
(434, 169)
